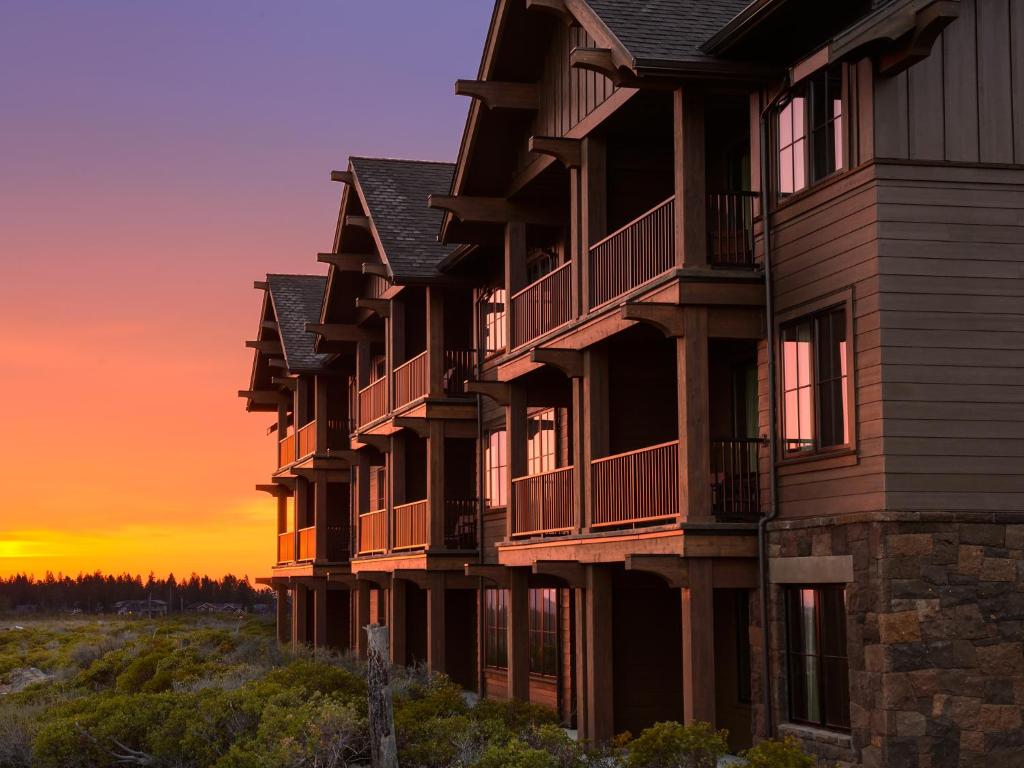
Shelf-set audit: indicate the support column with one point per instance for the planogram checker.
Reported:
(397, 622)
(361, 594)
(515, 436)
(320, 516)
(300, 604)
(435, 341)
(284, 629)
(515, 270)
(690, 177)
(435, 484)
(519, 634)
(576, 251)
(594, 444)
(599, 699)
(301, 511)
(694, 404)
(594, 203)
(580, 453)
(698, 606)
(581, 662)
(395, 460)
(320, 615)
(435, 623)
(320, 397)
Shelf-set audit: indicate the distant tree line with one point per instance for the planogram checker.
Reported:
(96, 592)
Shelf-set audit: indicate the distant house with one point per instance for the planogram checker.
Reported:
(141, 608)
(218, 608)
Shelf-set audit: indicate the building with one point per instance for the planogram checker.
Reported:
(625, 445)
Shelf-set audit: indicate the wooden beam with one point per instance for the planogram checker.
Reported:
(361, 222)
(598, 60)
(376, 268)
(344, 332)
(417, 576)
(568, 361)
(492, 210)
(261, 396)
(268, 325)
(495, 390)
(345, 177)
(276, 362)
(380, 442)
(381, 579)
(672, 568)
(380, 307)
(260, 285)
(667, 318)
(346, 262)
(418, 427)
(572, 573)
(289, 382)
(500, 95)
(736, 574)
(567, 151)
(554, 8)
(494, 573)
(265, 345)
(273, 489)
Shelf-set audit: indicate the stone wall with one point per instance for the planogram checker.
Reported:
(935, 635)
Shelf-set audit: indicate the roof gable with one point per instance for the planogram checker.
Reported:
(296, 300)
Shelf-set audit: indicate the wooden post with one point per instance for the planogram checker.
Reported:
(690, 177)
(300, 604)
(435, 484)
(576, 238)
(282, 421)
(519, 634)
(320, 615)
(595, 424)
(362, 615)
(435, 341)
(515, 270)
(320, 398)
(594, 204)
(383, 749)
(580, 453)
(699, 644)
(395, 460)
(320, 516)
(582, 713)
(283, 623)
(600, 710)
(694, 429)
(396, 621)
(515, 437)
(435, 623)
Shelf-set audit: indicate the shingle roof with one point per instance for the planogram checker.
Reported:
(396, 194)
(665, 30)
(296, 300)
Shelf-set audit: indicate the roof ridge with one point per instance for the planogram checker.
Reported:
(402, 160)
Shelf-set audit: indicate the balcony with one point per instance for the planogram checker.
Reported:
(373, 532)
(543, 503)
(286, 547)
(730, 218)
(542, 306)
(735, 479)
(373, 402)
(636, 487)
(286, 451)
(307, 543)
(302, 443)
(412, 380)
(305, 441)
(412, 525)
(459, 365)
(631, 256)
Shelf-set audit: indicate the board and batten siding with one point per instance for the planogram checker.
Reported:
(965, 102)
(951, 280)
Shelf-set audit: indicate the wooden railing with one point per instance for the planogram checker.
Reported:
(731, 229)
(459, 365)
(373, 532)
(543, 503)
(286, 547)
(338, 543)
(735, 483)
(373, 401)
(411, 380)
(286, 451)
(542, 306)
(636, 487)
(412, 525)
(460, 524)
(307, 543)
(306, 441)
(634, 254)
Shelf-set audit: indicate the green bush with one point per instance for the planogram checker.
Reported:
(515, 754)
(778, 753)
(672, 745)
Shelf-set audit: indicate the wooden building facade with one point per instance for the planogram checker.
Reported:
(691, 390)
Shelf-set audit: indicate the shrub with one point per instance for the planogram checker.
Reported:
(671, 745)
(515, 754)
(776, 753)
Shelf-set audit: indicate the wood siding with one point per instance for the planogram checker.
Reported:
(965, 102)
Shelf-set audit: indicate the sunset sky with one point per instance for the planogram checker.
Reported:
(155, 159)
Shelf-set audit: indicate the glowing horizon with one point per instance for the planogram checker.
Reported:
(163, 157)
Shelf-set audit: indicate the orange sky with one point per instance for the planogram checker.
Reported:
(155, 160)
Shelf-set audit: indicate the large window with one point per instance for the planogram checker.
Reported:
(809, 132)
(492, 320)
(544, 632)
(541, 453)
(496, 628)
(496, 469)
(819, 686)
(815, 393)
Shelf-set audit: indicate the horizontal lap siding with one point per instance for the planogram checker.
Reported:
(951, 263)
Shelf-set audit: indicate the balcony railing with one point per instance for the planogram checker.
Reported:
(305, 441)
(338, 543)
(286, 451)
(629, 257)
(459, 365)
(373, 401)
(412, 525)
(460, 524)
(412, 380)
(286, 547)
(543, 503)
(542, 306)
(307, 543)
(636, 487)
(373, 532)
(731, 229)
(735, 483)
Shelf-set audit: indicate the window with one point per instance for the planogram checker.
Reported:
(809, 132)
(540, 262)
(378, 367)
(544, 632)
(496, 467)
(819, 687)
(815, 394)
(378, 489)
(492, 320)
(540, 442)
(496, 628)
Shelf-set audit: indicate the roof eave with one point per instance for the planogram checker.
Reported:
(742, 25)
